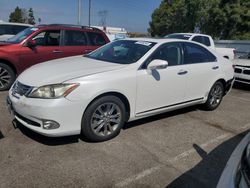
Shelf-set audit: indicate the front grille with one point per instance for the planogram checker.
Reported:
(236, 70)
(30, 122)
(246, 72)
(21, 89)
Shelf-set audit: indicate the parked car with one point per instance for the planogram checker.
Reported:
(242, 70)
(237, 171)
(206, 40)
(42, 43)
(122, 81)
(10, 29)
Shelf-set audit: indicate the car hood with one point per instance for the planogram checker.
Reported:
(61, 70)
(242, 62)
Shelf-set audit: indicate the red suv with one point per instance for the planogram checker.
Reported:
(42, 43)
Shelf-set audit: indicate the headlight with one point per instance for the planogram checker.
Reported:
(53, 91)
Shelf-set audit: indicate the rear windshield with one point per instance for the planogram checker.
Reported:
(178, 36)
(11, 29)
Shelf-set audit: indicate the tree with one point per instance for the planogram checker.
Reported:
(31, 18)
(17, 16)
(223, 19)
(168, 18)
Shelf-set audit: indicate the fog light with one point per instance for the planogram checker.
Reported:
(49, 124)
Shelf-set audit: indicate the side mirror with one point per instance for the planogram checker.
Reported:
(157, 64)
(31, 43)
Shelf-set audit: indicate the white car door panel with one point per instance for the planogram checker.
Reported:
(160, 88)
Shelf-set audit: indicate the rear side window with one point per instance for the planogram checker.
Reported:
(74, 38)
(202, 39)
(96, 39)
(194, 53)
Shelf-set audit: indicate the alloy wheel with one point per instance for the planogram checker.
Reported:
(106, 119)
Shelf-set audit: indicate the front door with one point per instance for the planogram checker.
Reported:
(47, 48)
(158, 89)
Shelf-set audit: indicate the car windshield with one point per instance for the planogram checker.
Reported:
(178, 36)
(122, 51)
(22, 35)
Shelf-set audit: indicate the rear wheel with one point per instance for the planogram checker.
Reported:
(7, 77)
(215, 96)
(103, 119)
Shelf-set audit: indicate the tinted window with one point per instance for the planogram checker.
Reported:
(202, 39)
(194, 53)
(122, 51)
(48, 38)
(206, 41)
(96, 39)
(74, 38)
(170, 52)
(11, 29)
(178, 36)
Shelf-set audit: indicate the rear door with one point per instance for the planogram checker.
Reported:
(202, 67)
(47, 48)
(75, 42)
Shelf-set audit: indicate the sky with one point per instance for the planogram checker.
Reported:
(133, 15)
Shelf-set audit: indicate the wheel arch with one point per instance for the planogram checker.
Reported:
(223, 81)
(6, 62)
(121, 96)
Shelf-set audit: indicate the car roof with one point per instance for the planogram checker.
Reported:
(14, 23)
(69, 26)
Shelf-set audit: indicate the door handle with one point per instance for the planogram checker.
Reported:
(57, 51)
(215, 67)
(182, 72)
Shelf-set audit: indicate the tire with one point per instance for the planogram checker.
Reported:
(7, 77)
(215, 96)
(103, 119)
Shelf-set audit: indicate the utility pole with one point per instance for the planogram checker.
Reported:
(79, 12)
(89, 11)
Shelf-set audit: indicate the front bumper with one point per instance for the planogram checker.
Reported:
(32, 112)
(242, 74)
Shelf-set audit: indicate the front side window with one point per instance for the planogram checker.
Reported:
(194, 53)
(74, 38)
(170, 52)
(96, 39)
(48, 38)
(122, 51)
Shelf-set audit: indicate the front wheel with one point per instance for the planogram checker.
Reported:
(215, 96)
(103, 119)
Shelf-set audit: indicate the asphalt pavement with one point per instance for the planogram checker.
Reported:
(184, 148)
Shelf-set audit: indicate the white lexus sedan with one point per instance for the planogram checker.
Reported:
(122, 81)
